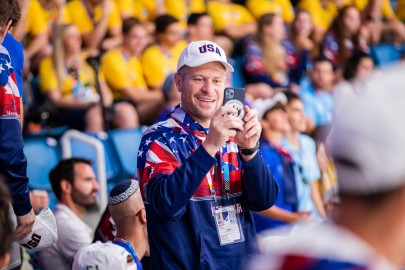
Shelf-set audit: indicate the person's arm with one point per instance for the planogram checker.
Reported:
(93, 39)
(317, 199)
(56, 98)
(139, 95)
(240, 31)
(278, 213)
(37, 44)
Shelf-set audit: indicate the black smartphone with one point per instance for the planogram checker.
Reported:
(235, 97)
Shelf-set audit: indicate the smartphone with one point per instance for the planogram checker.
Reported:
(235, 97)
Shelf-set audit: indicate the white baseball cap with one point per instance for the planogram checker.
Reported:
(44, 232)
(200, 52)
(262, 105)
(368, 139)
(103, 256)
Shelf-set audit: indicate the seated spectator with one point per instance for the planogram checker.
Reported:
(75, 186)
(99, 23)
(124, 75)
(172, 97)
(359, 65)
(264, 58)
(316, 95)
(273, 119)
(232, 20)
(282, 7)
(6, 226)
(69, 83)
(303, 151)
(343, 38)
(300, 46)
(129, 215)
(323, 12)
(160, 59)
(103, 256)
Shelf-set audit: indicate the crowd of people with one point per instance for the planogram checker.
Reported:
(209, 185)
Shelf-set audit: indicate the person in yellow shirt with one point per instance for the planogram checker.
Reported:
(231, 19)
(281, 7)
(69, 83)
(124, 75)
(323, 12)
(98, 21)
(160, 59)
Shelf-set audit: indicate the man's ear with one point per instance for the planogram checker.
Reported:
(142, 216)
(178, 81)
(4, 28)
(65, 186)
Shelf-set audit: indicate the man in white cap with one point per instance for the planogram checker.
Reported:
(368, 148)
(200, 178)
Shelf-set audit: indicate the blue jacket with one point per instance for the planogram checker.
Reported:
(13, 163)
(173, 169)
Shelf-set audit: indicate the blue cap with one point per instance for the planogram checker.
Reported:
(122, 191)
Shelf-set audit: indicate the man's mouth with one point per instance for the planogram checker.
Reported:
(208, 100)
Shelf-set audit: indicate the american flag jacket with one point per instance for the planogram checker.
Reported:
(173, 169)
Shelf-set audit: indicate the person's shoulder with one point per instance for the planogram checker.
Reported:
(306, 140)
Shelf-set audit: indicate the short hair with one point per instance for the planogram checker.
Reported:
(292, 97)
(321, 59)
(163, 22)
(9, 10)
(64, 170)
(195, 17)
(6, 226)
(128, 24)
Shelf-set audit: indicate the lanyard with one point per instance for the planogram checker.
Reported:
(128, 247)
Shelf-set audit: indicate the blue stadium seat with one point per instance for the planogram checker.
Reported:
(385, 53)
(126, 143)
(42, 156)
(238, 79)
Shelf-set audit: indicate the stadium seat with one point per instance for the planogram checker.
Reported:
(126, 143)
(385, 53)
(238, 79)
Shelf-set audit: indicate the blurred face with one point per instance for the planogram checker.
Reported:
(303, 23)
(277, 120)
(322, 75)
(276, 30)
(351, 20)
(202, 90)
(72, 40)
(365, 66)
(204, 29)
(85, 186)
(296, 116)
(172, 35)
(136, 40)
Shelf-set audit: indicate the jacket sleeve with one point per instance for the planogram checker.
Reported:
(168, 193)
(13, 164)
(260, 189)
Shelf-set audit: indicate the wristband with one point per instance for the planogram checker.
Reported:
(249, 151)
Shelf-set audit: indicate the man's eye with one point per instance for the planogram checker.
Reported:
(217, 81)
(198, 79)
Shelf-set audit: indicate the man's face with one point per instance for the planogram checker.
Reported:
(136, 40)
(202, 90)
(277, 120)
(204, 29)
(172, 35)
(296, 116)
(322, 75)
(85, 186)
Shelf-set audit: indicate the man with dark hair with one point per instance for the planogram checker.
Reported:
(200, 27)
(6, 226)
(159, 60)
(75, 186)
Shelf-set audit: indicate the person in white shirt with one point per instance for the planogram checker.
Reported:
(75, 186)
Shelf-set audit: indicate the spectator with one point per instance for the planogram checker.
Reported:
(194, 222)
(103, 256)
(128, 212)
(264, 58)
(99, 23)
(75, 186)
(124, 75)
(343, 38)
(358, 66)
(274, 123)
(316, 95)
(200, 27)
(282, 7)
(367, 232)
(6, 226)
(159, 60)
(13, 163)
(303, 151)
(69, 83)
(172, 97)
(232, 20)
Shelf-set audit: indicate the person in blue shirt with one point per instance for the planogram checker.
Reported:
(273, 119)
(317, 94)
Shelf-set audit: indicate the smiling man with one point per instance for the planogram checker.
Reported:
(200, 179)
(75, 186)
